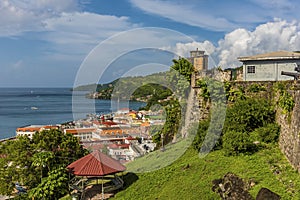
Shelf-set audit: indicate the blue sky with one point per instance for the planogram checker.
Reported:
(51, 43)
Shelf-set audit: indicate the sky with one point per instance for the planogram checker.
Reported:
(65, 43)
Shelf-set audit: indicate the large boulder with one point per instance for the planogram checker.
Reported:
(231, 187)
(266, 194)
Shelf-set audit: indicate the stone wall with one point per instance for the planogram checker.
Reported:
(289, 140)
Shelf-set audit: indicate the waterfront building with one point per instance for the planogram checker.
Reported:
(30, 130)
(269, 66)
(82, 133)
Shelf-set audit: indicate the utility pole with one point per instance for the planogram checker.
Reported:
(162, 143)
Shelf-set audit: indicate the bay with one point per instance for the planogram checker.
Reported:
(42, 106)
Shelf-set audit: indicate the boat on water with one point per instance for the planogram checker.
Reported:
(34, 108)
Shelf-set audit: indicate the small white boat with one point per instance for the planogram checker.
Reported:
(34, 108)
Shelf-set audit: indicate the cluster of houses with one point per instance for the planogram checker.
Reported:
(124, 135)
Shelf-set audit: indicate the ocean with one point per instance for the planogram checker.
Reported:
(42, 106)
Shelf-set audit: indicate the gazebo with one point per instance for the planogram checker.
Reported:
(92, 167)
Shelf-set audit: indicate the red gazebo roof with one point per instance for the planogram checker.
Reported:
(95, 164)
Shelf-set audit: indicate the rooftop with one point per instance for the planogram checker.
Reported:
(80, 130)
(96, 164)
(277, 55)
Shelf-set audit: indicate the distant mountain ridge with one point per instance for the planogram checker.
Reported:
(145, 85)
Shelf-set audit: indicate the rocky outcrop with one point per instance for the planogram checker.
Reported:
(231, 187)
(266, 194)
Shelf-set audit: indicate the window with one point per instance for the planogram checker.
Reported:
(251, 69)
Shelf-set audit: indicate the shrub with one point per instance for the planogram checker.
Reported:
(256, 88)
(267, 134)
(235, 143)
(286, 102)
(201, 133)
(247, 115)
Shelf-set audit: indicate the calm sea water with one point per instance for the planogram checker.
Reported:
(25, 106)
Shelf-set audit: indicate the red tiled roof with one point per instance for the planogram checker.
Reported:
(96, 122)
(80, 130)
(109, 123)
(130, 138)
(95, 164)
(29, 129)
(118, 146)
(36, 128)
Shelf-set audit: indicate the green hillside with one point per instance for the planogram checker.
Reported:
(190, 177)
(248, 147)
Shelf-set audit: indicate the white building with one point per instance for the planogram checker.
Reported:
(269, 66)
(30, 130)
(84, 134)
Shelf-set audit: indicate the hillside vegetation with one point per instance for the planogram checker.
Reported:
(248, 147)
(190, 177)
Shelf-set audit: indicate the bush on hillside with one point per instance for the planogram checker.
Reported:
(266, 134)
(201, 133)
(247, 115)
(235, 143)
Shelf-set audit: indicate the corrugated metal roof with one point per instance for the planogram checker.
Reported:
(95, 164)
(272, 56)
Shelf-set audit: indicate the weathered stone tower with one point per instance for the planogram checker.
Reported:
(199, 60)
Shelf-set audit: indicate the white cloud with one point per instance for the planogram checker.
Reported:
(272, 36)
(18, 65)
(184, 49)
(275, 4)
(19, 16)
(184, 13)
(84, 27)
(221, 15)
(73, 35)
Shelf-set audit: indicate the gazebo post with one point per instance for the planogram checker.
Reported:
(102, 189)
(82, 187)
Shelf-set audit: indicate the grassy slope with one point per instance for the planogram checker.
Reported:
(174, 182)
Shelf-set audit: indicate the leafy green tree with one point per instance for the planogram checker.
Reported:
(6, 178)
(184, 67)
(172, 123)
(25, 161)
(42, 160)
(52, 187)
(16, 164)
(65, 147)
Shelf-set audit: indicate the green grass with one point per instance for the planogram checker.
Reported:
(158, 159)
(268, 168)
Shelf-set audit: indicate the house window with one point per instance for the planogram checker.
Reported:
(251, 69)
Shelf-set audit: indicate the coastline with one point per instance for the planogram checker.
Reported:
(54, 107)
